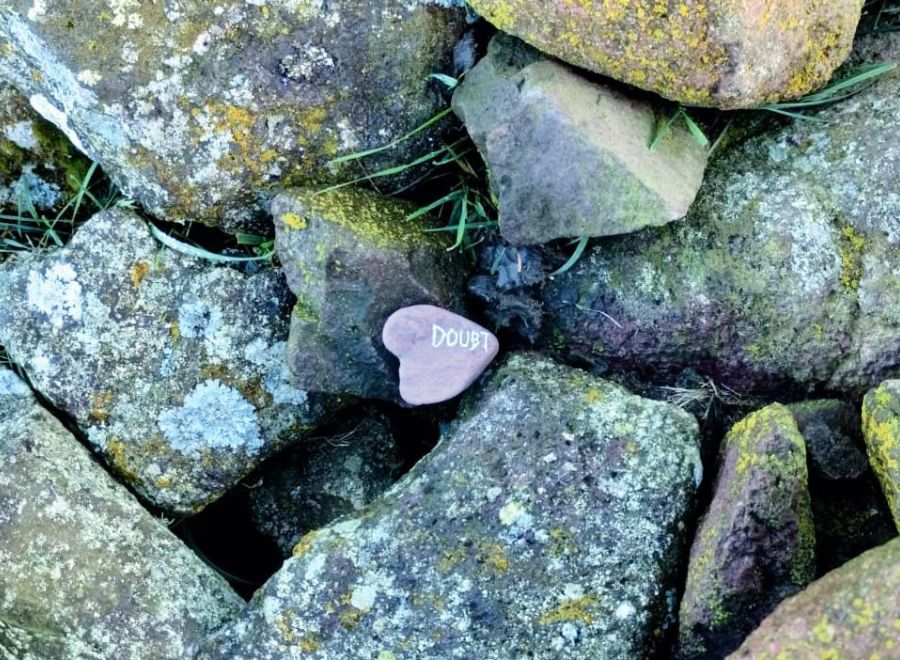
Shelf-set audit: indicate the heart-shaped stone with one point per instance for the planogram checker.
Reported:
(441, 353)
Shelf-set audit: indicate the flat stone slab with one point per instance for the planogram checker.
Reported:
(441, 353)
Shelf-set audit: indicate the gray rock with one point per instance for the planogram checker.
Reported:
(881, 430)
(849, 510)
(87, 572)
(309, 487)
(756, 544)
(352, 259)
(172, 367)
(569, 157)
(783, 273)
(541, 526)
(195, 109)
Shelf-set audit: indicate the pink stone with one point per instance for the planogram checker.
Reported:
(441, 353)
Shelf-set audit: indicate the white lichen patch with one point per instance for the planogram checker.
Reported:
(199, 319)
(213, 416)
(38, 10)
(55, 293)
(12, 385)
(22, 134)
(57, 117)
(89, 77)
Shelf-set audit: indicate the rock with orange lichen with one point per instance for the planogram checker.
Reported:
(195, 108)
(853, 612)
(723, 53)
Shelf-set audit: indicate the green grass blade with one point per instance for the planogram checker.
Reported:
(576, 255)
(192, 251)
(418, 213)
(390, 145)
(663, 130)
(696, 131)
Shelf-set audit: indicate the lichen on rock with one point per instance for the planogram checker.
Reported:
(881, 429)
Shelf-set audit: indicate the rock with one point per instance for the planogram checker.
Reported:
(831, 429)
(173, 368)
(849, 613)
(727, 54)
(780, 277)
(87, 572)
(352, 259)
(541, 526)
(308, 487)
(196, 110)
(38, 165)
(441, 353)
(881, 428)
(849, 510)
(756, 544)
(569, 157)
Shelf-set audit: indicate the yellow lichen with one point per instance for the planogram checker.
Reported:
(305, 544)
(573, 609)
(294, 220)
(139, 272)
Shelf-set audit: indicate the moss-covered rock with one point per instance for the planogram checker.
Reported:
(723, 53)
(881, 428)
(569, 157)
(172, 367)
(39, 167)
(87, 572)
(849, 613)
(783, 273)
(352, 259)
(541, 526)
(756, 544)
(196, 109)
(306, 488)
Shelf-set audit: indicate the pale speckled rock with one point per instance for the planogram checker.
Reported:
(172, 367)
(756, 544)
(881, 429)
(783, 274)
(570, 157)
(38, 165)
(308, 487)
(195, 109)
(87, 572)
(850, 613)
(352, 259)
(540, 526)
(723, 53)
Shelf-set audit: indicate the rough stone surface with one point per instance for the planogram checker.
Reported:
(784, 273)
(87, 572)
(756, 544)
(850, 613)
(196, 108)
(849, 509)
(541, 526)
(309, 487)
(352, 259)
(172, 367)
(38, 165)
(723, 53)
(881, 428)
(441, 353)
(569, 157)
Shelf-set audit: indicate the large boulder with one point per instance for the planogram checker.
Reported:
(87, 572)
(756, 544)
(849, 613)
(881, 428)
(172, 367)
(195, 109)
(541, 526)
(723, 53)
(783, 273)
(570, 157)
(352, 259)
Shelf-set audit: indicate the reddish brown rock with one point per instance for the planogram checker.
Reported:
(441, 353)
(853, 612)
